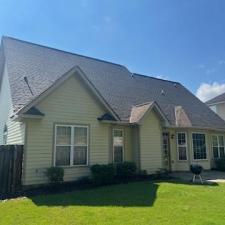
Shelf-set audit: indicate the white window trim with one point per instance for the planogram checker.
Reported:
(186, 145)
(71, 145)
(217, 136)
(114, 129)
(192, 146)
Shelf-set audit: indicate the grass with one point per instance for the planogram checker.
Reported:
(135, 203)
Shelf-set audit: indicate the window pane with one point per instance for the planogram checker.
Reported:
(80, 136)
(118, 138)
(214, 140)
(182, 153)
(221, 140)
(63, 136)
(199, 146)
(118, 141)
(62, 156)
(80, 155)
(118, 154)
(215, 152)
(118, 133)
(222, 152)
(181, 138)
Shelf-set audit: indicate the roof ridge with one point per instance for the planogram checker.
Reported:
(64, 51)
(156, 78)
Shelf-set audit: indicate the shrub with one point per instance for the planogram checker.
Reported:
(84, 181)
(220, 164)
(55, 174)
(143, 174)
(103, 174)
(161, 173)
(125, 171)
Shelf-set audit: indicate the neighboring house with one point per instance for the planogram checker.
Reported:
(217, 104)
(75, 111)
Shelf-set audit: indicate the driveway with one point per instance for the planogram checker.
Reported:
(207, 176)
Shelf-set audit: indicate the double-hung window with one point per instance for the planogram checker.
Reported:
(218, 146)
(118, 145)
(71, 145)
(182, 145)
(199, 146)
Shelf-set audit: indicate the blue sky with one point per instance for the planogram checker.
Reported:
(181, 40)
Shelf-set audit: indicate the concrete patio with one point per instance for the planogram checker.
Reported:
(207, 176)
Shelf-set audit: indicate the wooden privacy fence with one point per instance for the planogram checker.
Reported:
(11, 160)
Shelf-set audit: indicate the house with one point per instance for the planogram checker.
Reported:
(217, 104)
(74, 111)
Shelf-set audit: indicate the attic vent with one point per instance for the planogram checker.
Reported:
(26, 81)
(162, 92)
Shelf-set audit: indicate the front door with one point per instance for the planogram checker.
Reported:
(166, 150)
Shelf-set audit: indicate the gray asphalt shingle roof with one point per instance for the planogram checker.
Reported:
(120, 88)
(217, 99)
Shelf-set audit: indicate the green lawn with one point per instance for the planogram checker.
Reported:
(135, 203)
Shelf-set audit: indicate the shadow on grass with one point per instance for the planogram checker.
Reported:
(134, 194)
(124, 195)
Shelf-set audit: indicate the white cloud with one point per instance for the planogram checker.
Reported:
(208, 91)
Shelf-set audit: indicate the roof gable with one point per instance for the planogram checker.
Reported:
(139, 112)
(120, 89)
(73, 71)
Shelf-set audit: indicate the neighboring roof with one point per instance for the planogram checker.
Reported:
(181, 116)
(216, 100)
(43, 66)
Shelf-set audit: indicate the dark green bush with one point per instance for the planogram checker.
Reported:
(103, 174)
(143, 174)
(55, 174)
(161, 173)
(84, 181)
(220, 164)
(125, 171)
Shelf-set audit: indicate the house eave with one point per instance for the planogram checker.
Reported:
(16, 117)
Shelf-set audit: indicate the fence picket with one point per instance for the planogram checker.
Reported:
(11, 161)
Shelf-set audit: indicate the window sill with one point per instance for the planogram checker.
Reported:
(181, 161)
(196, 160)
(75, 166)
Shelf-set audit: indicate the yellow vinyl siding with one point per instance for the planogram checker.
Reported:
(71, 103)
(15, 133)
(151, 143)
